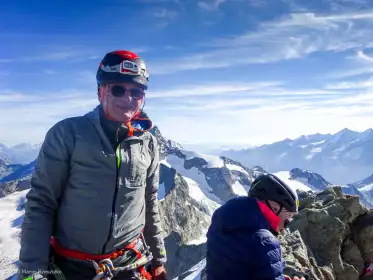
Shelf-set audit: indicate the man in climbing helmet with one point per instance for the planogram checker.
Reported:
(92, 210)
(241, 241)
(279, 197)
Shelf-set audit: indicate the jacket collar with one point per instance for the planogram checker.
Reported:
(272, 218)
(139, 123)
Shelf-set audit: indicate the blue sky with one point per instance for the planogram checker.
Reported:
(222, 72)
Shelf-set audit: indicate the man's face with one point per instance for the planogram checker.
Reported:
(121, 101)
(285, 216)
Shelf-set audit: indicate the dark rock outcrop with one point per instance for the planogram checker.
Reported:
(184, 223)
(13, 186)
(331, 238)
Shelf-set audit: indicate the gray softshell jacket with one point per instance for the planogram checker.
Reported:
(79, 196)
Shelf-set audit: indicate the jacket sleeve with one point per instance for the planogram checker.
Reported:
(47, 182)
(153, 228)
(268, 265)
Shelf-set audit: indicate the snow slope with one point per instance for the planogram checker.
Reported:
(296, 185)
(11, 217)
(199, 189)
(237, 187)
(366, 188)
(207, 200)
(237, 168)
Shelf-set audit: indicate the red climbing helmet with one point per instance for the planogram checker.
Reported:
(122, 66)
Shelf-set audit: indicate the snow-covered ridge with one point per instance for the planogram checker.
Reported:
(11, 217)
(211, 160)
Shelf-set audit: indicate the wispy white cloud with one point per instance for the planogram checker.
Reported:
(360, 64)
(362, 84)
(34, 114)
(351, 72)
(295, 36)
(210, 5)
(49, 56)
(211, 89)
(362, 56)
(165, 14)
(253, 97)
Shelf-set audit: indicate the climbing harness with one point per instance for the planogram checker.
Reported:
(103, 264)
(105, 267)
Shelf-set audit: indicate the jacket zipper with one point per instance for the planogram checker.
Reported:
(118, 160)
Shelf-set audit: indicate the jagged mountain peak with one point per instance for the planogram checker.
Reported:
(344, 136)
(312, 179)
(166, 146)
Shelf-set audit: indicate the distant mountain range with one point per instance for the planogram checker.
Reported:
(341, 158)
(19, 154)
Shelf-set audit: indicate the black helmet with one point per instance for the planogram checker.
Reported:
(270, 187)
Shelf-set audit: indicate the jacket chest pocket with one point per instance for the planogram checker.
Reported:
(138, 162)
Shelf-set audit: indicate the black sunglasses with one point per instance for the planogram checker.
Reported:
(119, 91)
